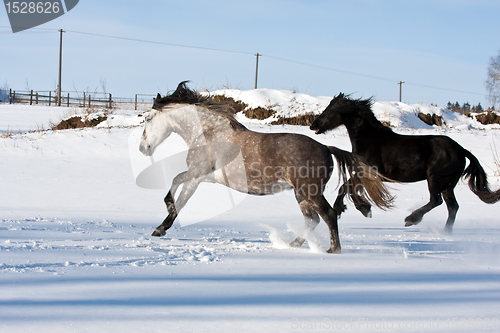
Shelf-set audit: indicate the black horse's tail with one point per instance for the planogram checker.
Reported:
(478, 181)
(366, 182)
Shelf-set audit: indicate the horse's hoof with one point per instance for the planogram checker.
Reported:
(158, 233)
(365, 210)
(447, 230)
(410, 223)
(336, 250)
(412, 220)
(297, 242)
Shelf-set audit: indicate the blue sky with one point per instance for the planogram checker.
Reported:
(439, 48)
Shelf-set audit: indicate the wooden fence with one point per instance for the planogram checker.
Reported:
(86, 100)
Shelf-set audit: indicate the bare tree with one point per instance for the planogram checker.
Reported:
(103, 85)
(492, 82)
(4, 92)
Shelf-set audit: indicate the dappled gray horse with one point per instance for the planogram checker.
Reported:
(221, 150)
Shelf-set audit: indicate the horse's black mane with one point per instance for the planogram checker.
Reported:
(181, 95)
(362, 108)
(184, 95)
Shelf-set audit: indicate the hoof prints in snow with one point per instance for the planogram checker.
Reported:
(55, 245)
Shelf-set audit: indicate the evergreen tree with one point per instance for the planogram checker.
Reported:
(465, 108)
(478, 108)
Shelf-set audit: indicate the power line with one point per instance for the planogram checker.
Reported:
(159, 43)
(369, 76)
(144, 41)
(445, 89)
(330, 69)
(31, 31)
(302, 63)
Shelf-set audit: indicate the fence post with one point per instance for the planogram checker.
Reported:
(84, 99)
(135, 102)
(89, 101)
(50, 97)
(68, 100)
(10, 96)
(31, 97)
(36, 98)
(110, 101)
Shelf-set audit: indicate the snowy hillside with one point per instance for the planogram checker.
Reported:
(288, 104)
(77, 255)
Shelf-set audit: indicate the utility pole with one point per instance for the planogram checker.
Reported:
(60, 68)
(400, 89)
(257, 68)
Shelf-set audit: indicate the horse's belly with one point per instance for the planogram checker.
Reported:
(267, 188)
(407, 175)
(232, 175)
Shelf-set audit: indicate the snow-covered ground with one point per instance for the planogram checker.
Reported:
(77, 255)
(22, 118)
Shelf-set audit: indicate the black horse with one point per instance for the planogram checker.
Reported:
(404, 158)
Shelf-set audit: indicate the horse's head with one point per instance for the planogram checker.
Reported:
(156, 129)
(187, 113)
(332, 117)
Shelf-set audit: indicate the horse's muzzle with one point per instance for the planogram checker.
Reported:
(146, 150)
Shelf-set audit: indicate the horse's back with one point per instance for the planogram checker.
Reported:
(411, 158)
(285, 147)
(289, 158)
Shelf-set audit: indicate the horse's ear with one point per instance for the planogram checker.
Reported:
(340, 95)
(158, 96)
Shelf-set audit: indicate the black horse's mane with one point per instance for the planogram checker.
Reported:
(184, 95)
(363, 109)
(181, 95)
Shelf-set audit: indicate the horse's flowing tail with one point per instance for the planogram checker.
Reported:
(366, 182)
(478, 181)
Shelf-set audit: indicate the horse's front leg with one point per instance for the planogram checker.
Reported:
(174, 208)
(339, 207)
(176, 182)
(364, 207)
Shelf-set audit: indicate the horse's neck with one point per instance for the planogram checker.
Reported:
(185, 122)
(197, 127)
(359, 131)
(365, 132)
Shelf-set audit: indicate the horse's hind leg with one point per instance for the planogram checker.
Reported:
(435, 200)
(319, 204)
(329, 215)
(311, 219)
(451, 202)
